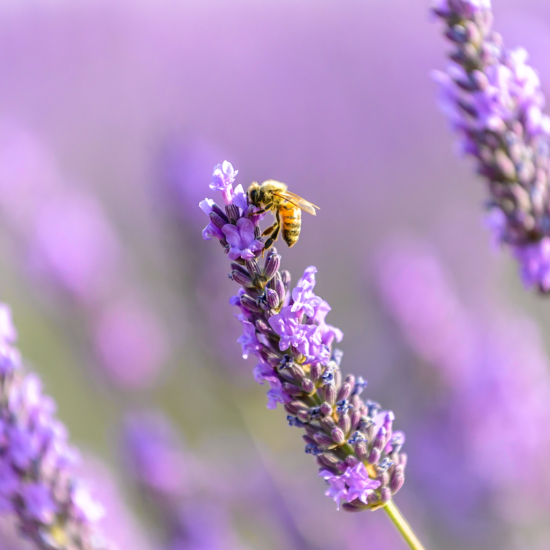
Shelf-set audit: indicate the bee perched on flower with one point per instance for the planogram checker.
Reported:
(287, 207)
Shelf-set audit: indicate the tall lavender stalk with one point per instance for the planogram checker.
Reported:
(494, 102)
(353, 441)
(53, 509)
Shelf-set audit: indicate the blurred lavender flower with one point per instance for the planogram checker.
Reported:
(53, 508)
(155, 456)
(359, 454)
(171, 479)
(74, 246)
(130, 343)
(495, 380)
(124, 529)
(70, 245)
(493, 100)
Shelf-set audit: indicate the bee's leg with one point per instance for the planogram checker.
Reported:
(269, 230)
(264, 209)
(275, 234)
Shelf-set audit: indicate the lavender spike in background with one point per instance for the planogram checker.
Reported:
(352, 442)
(171, 480)
(53, 508)
(69, 244)
(495, 379)
(493, 100)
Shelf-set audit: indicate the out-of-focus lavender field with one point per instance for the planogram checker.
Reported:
(112, 115)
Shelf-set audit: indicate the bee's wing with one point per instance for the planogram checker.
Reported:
(297, 201)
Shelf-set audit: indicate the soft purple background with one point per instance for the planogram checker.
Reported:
(133, 102)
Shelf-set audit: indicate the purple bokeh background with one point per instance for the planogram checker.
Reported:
(121, 108)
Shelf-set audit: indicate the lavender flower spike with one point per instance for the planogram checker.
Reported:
(494, 102)
(355, 446)
(53, 509)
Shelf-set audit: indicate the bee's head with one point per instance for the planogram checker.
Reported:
(254, 194)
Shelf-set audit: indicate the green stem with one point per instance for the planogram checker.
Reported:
(402, 526)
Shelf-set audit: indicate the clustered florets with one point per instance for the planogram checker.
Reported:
(353, 441)
(53, 509)
(493, 100)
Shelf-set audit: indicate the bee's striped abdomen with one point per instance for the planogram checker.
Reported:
(291, 218)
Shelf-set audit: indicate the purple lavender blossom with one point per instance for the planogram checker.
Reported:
(354, 483)
(493, 100)
(241, 240)
(36, 485)
(302, 295)
(222, 180)
(353, 441)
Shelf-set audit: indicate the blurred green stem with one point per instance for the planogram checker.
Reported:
(402, 526)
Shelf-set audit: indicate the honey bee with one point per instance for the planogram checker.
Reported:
(286, 206)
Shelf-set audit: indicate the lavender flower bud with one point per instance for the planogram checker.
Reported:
(298, 373)
(295, 407)
(397, 478)
(383, 478)
(385, 495)
(349, 379)
(344, 392)
(254, 269)
(279, 288)
(272, 298)
(232, 212)
(323, 439)
(250, 304)
(327, 423)
(330, 459)
(377, 445)
(272, 264)
(265, 329)
(241, 278)
(292, 390)
(315, 372)
(308, 386)
(338, 436)
(220, 213)
(344, 421)
(269, 356)
(361, 450)
(329, 392)
(325, 409)
(311, 430)
(217, 220)
(351, 461)
(355, 419)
